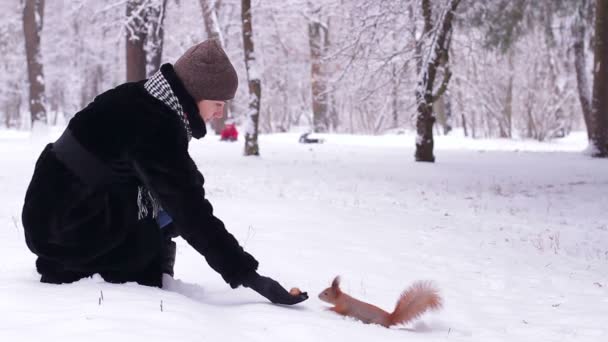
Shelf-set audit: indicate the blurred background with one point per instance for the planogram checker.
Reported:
(498, 68)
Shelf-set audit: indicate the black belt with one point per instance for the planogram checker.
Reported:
(84, 164)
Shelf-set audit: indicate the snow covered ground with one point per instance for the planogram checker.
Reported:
(515, 235)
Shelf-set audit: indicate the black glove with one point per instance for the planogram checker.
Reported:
(272, 290)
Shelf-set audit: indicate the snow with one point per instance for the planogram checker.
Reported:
(253, 69)
(591, 149)
(249, 126)
(514, 233)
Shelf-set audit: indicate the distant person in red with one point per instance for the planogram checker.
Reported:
(229, 133)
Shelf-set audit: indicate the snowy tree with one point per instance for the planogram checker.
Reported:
(580, 33)
(214, 31)
(426, 95)
(33, 15)
(13, 66)
(135, 39)
(599, 107)
(253, 77)
(357, 63)
(547, 113)
(84, 44)
(527, 45)
(318, 39)
(212, 25)
(372, 51)
(155, 37)
(144, 37)
(283, 58)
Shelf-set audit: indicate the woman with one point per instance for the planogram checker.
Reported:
(111, 192)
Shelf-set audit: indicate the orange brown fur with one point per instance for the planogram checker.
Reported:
(412, 303)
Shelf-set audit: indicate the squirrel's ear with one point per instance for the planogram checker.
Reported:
(336, 283)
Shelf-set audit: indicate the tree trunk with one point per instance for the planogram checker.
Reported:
(332, 111)
(464, 125)
(442, 106)
(506, 125)
(508, 109)
(213, 30)
(12, 106)
(447, 97)
(428, 26)
(318, 42)
(424, 90)
(33, 15)
(582, 82)
(599, 110)
(439, 109)
(212, 25)
(394, 96)
(253, 77)
(474, 125)
(530, 125)
(319, 95)
(136, 36)
(155, 18)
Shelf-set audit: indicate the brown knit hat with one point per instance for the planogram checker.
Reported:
(207, 72)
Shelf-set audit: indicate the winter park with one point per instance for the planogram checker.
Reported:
(331, 170)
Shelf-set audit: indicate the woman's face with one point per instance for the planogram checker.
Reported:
(211, 109)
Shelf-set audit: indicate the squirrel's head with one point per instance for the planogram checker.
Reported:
(331, 294)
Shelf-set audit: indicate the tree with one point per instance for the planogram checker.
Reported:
(442, 106)
(33, 15)
(144, 37)
(135, 36)
(253, 77)
(318, 39)
(13, 67)
(213, 30)
(425, 92)
(507, 25)
(155, 18)
(212, 25)
(500, 49)
(371, 52)
(579, 32)
(599, 109)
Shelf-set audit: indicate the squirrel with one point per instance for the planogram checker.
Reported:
(412, 303)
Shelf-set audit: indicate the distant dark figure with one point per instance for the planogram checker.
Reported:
(304, 139)
(229, 133)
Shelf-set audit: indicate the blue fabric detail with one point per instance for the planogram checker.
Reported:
(163, 219)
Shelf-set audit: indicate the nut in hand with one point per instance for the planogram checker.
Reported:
(295, 291)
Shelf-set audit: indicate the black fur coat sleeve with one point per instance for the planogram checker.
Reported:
(166, 168)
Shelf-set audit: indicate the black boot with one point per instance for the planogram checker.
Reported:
(168, 258)
(150, 275)
(54, 273)
(168, 249)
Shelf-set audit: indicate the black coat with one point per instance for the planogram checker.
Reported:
(93, 227)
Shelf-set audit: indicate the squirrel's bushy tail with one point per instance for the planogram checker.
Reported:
(414, 301)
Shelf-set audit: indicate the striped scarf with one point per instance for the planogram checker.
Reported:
(158, 87)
